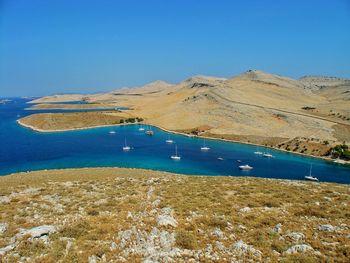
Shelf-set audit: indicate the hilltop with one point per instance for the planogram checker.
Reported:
(131, 215)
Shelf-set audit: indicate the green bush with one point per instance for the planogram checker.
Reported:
(340, 151)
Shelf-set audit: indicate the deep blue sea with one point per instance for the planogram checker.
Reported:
(22, 149)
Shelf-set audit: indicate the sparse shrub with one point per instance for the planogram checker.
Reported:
(92, 212)
(302, 258)
(271, 203)
(215, 221)
(311, 211)
(57, 249)
(31, 248)
(77, 230)
(186, 240)
(308, 108)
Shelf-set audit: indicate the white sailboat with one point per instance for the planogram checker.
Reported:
(126, 147)
(257, 152)
(112, 132)
(175, 157)
(141, 128)
(204, 148)
(149, 131)
(310, 177)
(169, 141)
(245, 167)
(267, 154)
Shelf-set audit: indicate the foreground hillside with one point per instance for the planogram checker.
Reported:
(129, 215)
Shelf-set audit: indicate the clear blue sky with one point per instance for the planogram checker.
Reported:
(57, 46)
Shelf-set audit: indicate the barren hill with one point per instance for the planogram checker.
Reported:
(254, 104)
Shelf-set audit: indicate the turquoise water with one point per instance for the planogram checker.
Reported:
(23, 149)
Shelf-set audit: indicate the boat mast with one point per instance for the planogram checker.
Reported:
(310, 170)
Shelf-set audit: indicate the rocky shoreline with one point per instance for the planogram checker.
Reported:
(32, 127)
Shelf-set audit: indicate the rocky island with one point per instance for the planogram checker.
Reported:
(307, 116)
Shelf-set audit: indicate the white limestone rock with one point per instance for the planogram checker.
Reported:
(299, 249)
(92, 259)
(327, 228)
(242, 248)
(296, 236)
(277, 228)
(3, 228)
(166, 218)
(38, 231)
(217, 233)
(245, 209)
(6, 249)
(5, 200)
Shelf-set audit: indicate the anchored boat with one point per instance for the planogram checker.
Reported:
(169, 141)
(310, 177)
(126, 147)
(176, 157)
(205, 148)
(245, 167)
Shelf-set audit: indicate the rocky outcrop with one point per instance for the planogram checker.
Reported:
(299, 249)
(3, 228)
(242, 248)
(38, 231)
(167, 218)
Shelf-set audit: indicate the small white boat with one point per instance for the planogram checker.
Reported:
(149, 132)
(169, 141)
(220, 158)
(112, 132)
(339, 161)
(245, 167)
(267, 155)
(176, 157)
(205, 148)
(310, 177)
(257, 152)
(126, 147)
(141, 129)
(239, 161)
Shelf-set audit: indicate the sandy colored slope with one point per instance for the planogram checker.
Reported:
(254, 103)
(43, 106)
(70, 121)
(60, 98)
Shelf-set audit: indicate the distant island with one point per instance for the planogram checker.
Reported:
(309, 116)
(4, 101)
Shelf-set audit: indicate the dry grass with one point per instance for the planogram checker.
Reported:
(90, 207)
(72, 120)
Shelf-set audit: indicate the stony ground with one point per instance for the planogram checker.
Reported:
(129, 215)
